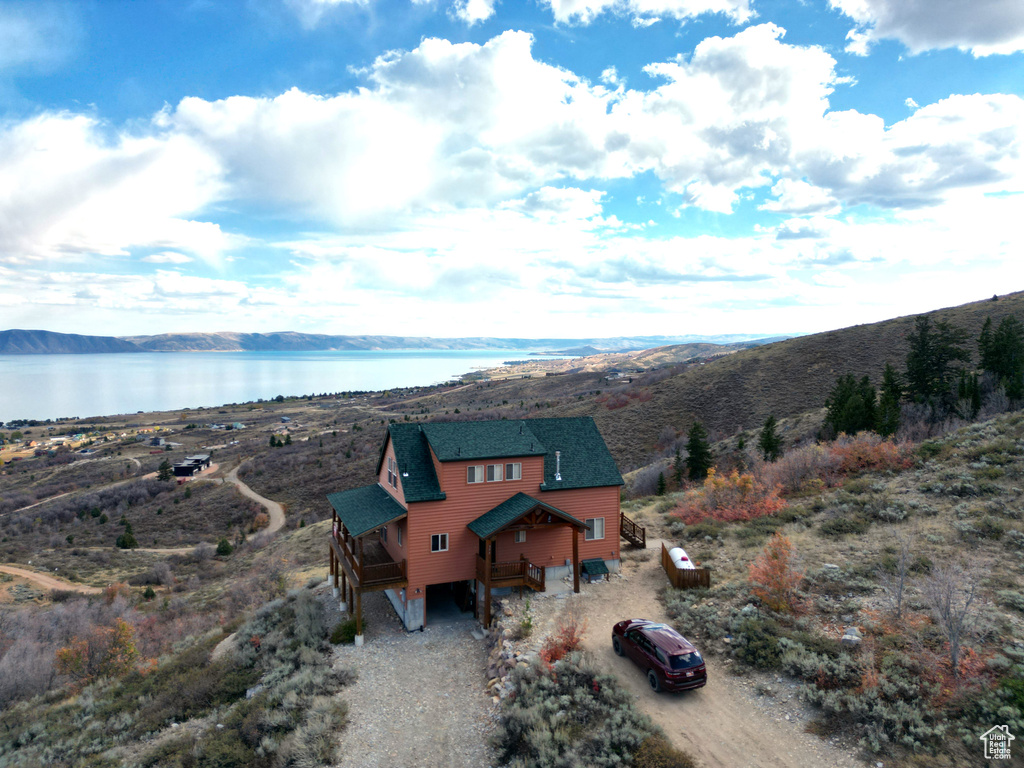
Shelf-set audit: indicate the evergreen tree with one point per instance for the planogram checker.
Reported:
(164, 472)
(968, 394)
(887, 419)
(850, 406)
(1003, 356)
(769, 441)
(985, 346)
(698, 452)
(677, 468)
(661, 484)
(288, 439)
(224, 548)
(127, 540)
(930, 362)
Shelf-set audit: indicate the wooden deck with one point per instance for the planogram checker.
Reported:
(515, 573)
(369, 567)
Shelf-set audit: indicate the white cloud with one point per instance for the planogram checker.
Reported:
(312, 12)
(911, 103)
(68, 189)
(983, 27)
(645, 12)
(168, 257)
(39, 34)
(797, 196)
(473, 11)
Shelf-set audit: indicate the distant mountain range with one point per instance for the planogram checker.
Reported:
(20, 342)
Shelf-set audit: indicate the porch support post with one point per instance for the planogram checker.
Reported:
(334, 571)
(575, 559)
(360, 566)
(359, 616)
(487, 582)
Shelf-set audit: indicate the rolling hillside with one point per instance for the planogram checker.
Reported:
(784, 379)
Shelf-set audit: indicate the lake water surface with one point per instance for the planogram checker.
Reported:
(54, 386)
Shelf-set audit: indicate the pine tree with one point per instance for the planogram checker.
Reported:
(698, 452)
(661, 484)
(887, 421)
(985, 346)
(1005, 356)
(769, 441)
(851, 406)
(127, 539)
(934, 350)
(677, 468)
(164, 472)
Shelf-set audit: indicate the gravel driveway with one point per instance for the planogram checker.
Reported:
(419, 700)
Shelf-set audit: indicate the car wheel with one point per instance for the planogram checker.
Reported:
(652, 678)
(617, 646)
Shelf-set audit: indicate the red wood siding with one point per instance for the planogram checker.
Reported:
(465, 502)
(382, 478)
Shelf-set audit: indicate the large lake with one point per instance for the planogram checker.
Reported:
(54, 386)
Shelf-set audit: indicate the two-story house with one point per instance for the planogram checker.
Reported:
(474, 507)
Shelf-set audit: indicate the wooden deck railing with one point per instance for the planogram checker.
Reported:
(514, 573)
(365, 575)
(631, 532)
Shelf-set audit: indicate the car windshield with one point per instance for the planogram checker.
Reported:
(685, 660)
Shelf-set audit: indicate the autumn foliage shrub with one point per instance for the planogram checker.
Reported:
(104, 652)
(564, 640)
(774, 575)
(729, 498)
(866, 451)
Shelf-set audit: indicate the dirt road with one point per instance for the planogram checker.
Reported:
(49, 582)
(720, 724)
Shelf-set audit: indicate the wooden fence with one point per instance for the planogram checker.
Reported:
(684, 578)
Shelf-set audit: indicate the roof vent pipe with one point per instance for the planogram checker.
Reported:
(558, 466)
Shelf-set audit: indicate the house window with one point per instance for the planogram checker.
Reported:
(439, 542)
(595, 528)
(475, 474)
(392, 472)
(493, 473)
(520, 537)
(514, 471)
(398, 532)
(384, 534)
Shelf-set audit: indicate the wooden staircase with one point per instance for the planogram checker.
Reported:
(631, 532)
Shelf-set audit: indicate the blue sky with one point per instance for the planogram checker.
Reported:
(471, 167)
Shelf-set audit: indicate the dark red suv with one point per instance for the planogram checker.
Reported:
(671, 661)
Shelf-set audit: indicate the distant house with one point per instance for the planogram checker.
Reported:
(192, 465)
(157, 442)
(469, 509)
(285, 419)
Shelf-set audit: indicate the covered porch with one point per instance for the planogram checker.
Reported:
(359, 563)
(519, 513)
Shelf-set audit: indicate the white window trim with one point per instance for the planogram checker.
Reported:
(384, 534)
(520, 537)
(441, 537)
(516, 473)
(398, 534)
(478, 472)
(591, 533)
(498, 470)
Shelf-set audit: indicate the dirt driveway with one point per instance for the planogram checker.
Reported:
(721, 725)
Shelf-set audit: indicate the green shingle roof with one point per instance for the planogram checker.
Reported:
(419, 481)
(585, 460)
(467, 440)
(510, 510)
(365, 509)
